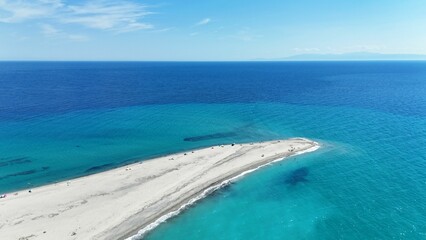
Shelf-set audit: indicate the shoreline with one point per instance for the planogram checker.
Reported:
(134, 199)
(205, 193)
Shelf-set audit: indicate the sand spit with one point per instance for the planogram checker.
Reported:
(117, 204)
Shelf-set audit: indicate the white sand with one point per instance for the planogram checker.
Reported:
(118, 203)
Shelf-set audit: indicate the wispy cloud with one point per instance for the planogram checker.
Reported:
(19, 11)
(203, 22)
(307, 49)
(366, 48)
(247, 35)
(109, 15)
(113, 15)
(48, 29)
(163, 30)
(18, 36)
(53, 32)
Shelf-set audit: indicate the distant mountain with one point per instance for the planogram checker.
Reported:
(355, 56)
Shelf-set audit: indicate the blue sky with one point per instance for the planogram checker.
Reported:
(207, 30)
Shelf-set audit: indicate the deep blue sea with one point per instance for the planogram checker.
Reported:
(60, 120)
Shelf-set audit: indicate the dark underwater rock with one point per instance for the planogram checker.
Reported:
(297, 176)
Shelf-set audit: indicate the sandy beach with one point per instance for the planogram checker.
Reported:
(116, 204)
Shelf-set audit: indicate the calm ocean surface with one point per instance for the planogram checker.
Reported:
(368, 181)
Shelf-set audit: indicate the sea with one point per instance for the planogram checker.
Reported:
(62, 120)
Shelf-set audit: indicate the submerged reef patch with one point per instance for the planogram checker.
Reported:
(27, 172)
(99, 167)
(210, 136)
(297, 176)
(14, 161)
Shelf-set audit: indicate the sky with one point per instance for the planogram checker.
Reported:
(207, 30)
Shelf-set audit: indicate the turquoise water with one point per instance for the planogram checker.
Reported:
(365, 183)
(79, 143)
(368, 181)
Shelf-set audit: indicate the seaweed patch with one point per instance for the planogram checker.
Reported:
(27, 172)
(297, 176)
(98, 168)
(210, 136)
(14, 161)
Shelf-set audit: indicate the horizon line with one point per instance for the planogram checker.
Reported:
(255, 60)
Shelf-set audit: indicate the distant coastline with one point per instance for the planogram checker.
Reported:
(354, 56)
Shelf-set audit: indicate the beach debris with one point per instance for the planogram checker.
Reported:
(263, 155)
(192, 151)
(128, 169)
(73, 233)
(30, 191)
(44, 231)
(184, 154)
(3, 196)
(232, 144)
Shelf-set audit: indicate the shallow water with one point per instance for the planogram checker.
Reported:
(62, 120)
